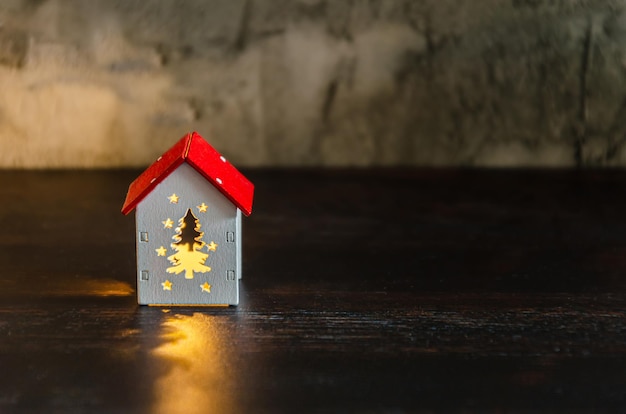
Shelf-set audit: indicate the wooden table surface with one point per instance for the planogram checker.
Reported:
(363, 291)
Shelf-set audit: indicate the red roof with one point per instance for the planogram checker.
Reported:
(195, 151)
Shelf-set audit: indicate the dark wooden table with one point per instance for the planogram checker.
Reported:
(363, 291)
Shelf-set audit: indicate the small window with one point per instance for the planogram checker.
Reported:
(143, 236)
(145, 275)
(230, 275)
(230, 237)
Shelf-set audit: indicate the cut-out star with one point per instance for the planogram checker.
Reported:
(212, 246)
(161, 251)
(167, 285)
(173, 198)
(206, 287)
(202, 208)
(167, 224)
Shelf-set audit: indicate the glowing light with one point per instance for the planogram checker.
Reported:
(198, 375)
(167, 285)
(167, 224)
(187, 243)
(161, 251)
(202, 208)
(205, 287)
(173, 198)
(90, 286)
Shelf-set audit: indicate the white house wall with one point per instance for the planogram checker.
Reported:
(220, 224)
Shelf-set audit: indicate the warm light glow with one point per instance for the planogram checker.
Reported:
(168, 223)
(196, 354)
(173, 198)
(189, 305)
(111, 288)
(188, 261)
(205, 287)
(202, 208)
(88, 286)
(187, 244)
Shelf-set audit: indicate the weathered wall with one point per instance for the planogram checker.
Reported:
(313, 82)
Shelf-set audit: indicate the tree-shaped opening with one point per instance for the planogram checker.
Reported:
(187, 243)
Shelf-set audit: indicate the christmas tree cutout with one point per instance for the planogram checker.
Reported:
(188, 242)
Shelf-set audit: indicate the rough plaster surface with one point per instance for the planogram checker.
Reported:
(312, 82)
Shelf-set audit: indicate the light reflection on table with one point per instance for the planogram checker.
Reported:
(199, 378)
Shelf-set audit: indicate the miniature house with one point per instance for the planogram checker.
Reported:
(188, 226)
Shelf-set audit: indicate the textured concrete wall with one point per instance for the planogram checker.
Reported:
(313, 82)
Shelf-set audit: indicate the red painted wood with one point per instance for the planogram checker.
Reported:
(221, 173)
(198, 153)
(161, 168)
